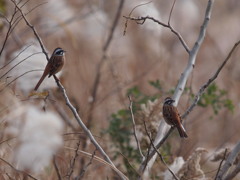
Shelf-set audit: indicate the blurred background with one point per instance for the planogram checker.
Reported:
(103, 66)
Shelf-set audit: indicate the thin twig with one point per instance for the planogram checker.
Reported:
(114, 25)
(72, 163)
(19, 18)
(156, 150)
(152, 144)
(170, 14)
(56, 168)
(82, 172)
(129, 163)
(17, 169)
(220, 165)
(85, 129)
(134, 126)
(101, 63)
(23, 3)
(18, 64)
(15, 57)
(62, 112)
(152, 153)
(202, 89)
(8, 84)
(98, 76)
(141, 20)
(33, 29)
(6, 140)
(144, 163)
(9, 29)
(175, 32)
(101, 161)
(129, 15)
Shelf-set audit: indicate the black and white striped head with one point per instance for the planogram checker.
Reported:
(169, 101)
(58, 52)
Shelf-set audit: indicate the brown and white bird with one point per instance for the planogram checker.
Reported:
(54, 65)
(172, 117)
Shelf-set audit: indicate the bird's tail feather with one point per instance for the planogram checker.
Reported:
(182, 131)
(40, 81)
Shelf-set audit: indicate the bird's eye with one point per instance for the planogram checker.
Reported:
(59, 52)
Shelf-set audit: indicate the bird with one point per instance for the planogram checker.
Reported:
(172, 117)
(53, 66)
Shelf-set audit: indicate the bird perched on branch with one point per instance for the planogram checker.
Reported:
(54, 65)
(172, 117)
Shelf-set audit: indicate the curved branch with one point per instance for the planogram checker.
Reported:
(141, 20)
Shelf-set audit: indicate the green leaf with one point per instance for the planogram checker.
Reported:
(216, 98)
(156, 84)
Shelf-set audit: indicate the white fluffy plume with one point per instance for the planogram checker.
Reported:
(38, 138)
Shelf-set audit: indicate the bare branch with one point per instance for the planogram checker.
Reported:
(6, 140)
(56, 168)
(129, 15)
(85, 129)
(23, 3)
(101, 161)
(8, 84)
(193, 54)
(72, 163)
(17, 169)
(85, 167)
(18, 64)
(10, 22)
(220, 165)
(19, 18)
(156, 150)
(202, 89)
(170, 15)
(231, 175)
(129, 164)
(134, 126)
(145, 163)
(15, 57)
(33, 29)
(228, 163)
(61, 111)
(101, 63)
(175, 32)
(99, 67)
(114, 25)
(141, 20)
(180, 38)
(153, 152)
